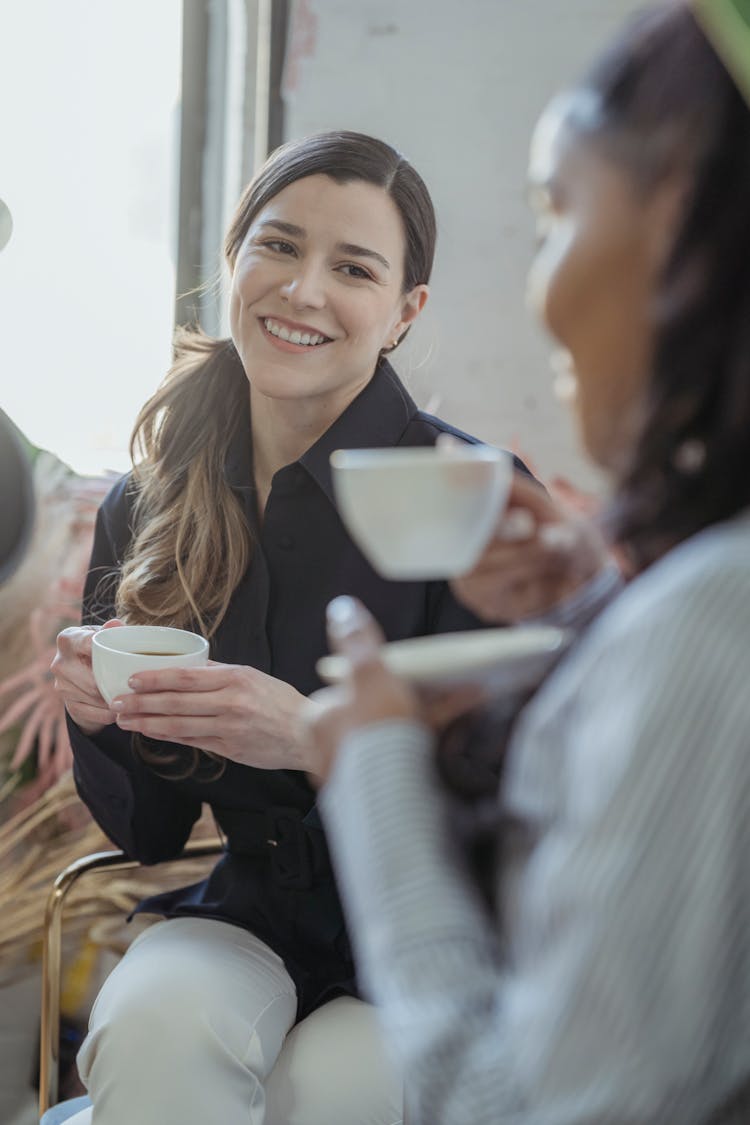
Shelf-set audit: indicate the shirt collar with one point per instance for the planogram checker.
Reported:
(375, 419)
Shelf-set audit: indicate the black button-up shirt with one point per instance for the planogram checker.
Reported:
(275, 878)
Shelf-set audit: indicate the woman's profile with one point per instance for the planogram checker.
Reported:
(611, 983)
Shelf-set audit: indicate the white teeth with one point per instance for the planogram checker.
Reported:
(294, 336)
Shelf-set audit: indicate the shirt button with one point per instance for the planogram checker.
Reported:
(286, 542)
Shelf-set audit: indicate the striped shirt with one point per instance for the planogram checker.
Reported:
(613, 984)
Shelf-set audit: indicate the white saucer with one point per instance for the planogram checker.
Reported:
(514, 658)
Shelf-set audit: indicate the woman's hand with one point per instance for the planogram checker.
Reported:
(539, 555)
(74, 679)
(370, 693)
(231, 710)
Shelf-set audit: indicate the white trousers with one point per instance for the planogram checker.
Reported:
(195, 1026)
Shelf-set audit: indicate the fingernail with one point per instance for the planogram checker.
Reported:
(117, 705)
(557, 536)
(347, 627)
(134, 683)
(518, 524)
(343, 613)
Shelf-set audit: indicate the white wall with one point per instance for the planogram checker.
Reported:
(457, 87)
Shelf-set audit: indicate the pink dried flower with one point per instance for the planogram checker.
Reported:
(28, 699)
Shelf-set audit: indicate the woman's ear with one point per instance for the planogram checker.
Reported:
(665, 209)
(411, 307)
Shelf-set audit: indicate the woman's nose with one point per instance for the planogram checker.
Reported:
(304, 287)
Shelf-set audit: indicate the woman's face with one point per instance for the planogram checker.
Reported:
(317, 290)
(602, 246)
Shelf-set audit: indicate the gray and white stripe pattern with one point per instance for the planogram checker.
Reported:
(614, 985)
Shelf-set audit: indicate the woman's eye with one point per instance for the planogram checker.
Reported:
(278, 246)
(352, 270)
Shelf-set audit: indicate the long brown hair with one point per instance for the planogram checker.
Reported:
(192, 542)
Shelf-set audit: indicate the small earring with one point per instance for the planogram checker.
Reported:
(394, 343)
(690, 456)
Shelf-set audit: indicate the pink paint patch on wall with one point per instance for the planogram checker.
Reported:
(303, 39)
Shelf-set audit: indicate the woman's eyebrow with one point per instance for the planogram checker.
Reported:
(284, 228)
(362, 252)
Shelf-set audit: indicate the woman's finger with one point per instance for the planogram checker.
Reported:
(203, 703)
(527, 493)
(90, 715)
(170, 728)
(352, 630)
(74, 643)
(72, 696)
(516, 525)
(75, 681)
(513, 601)
(207, 678)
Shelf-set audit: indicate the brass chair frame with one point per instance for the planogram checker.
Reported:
(49, 1048)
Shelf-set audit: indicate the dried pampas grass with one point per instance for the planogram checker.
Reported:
(39, 600)
(44, 827)
(40, 841)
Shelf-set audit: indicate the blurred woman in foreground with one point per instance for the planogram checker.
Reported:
(612, 983)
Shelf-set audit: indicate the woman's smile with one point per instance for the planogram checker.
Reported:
(290, 336)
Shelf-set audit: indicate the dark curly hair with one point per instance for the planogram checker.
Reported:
(665, 103)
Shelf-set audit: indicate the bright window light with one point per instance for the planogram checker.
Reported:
(88, 170)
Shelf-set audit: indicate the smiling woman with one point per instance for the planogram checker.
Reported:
(227, 525)
(332, 267)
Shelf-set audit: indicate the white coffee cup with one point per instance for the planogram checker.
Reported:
(118, 652)
(422, 513)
